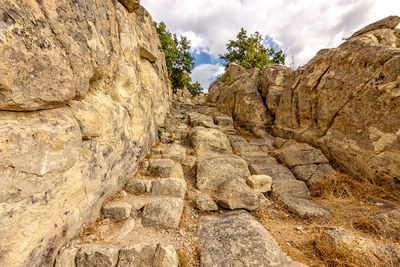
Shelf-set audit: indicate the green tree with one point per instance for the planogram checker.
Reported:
(179, 61)
(250, 52)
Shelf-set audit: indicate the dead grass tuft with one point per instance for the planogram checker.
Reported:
(365, 225)
(343, 186)
(336, 256)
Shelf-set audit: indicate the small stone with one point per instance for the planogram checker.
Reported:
(236, 194)
(165, 256)
(165, 168)
(172, 187)
(117, 210)
(264, 203)
(137, 187)
(205, 203)
(165, 213)
(97, 255)
(260, 183)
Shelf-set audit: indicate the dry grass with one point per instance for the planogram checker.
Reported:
(343, 186)
(333, 255)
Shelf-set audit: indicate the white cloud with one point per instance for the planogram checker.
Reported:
(205, 73)
(301, 28)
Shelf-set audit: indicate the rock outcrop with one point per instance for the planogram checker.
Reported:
(345, 101)
(83, 88)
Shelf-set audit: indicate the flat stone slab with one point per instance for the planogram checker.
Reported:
(237, 239)
(313, 172)
(297, 154)
(214, 170)
(305, 208)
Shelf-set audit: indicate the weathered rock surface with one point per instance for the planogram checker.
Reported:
(294, 195)
(118, 210)
(138, 186)
(96, 104)
(143, 255)
(198, 119)
(388, 223)
(236, 194)
(97, 255)
(350, 115)
(307, 163)
(345, 101)
(260, 183)
(165, 168)
(205, 203)
(164, 213)
(172, 187)
(206, 140)
(239, 96)
(175, 152)
(214, 170)
(366, 251)
(237, 239)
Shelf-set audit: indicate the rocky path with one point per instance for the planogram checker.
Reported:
(205, 196)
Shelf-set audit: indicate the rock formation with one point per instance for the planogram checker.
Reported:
(84, 97)
(83, 88)
(345, 101)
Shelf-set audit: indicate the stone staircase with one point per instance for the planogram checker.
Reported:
(190, 202)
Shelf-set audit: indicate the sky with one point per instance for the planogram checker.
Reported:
(298, 27)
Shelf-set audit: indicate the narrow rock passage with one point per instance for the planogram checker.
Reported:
(202, 196)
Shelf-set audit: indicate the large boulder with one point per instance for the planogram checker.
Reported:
(89, 104)
(346, 102)
(239, 97)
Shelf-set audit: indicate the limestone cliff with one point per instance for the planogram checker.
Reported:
(345, 101)
(83, 87)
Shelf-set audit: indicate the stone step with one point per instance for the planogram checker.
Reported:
(102, 255)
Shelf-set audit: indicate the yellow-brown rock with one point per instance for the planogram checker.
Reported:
(79, 107)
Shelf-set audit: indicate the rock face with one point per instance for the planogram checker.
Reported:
(237, 239)
(345, 101)
(239, 97)
(94, 104)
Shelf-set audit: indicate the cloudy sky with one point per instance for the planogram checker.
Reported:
(299, 27)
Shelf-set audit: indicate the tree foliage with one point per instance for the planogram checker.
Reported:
(180, 62)
(250, 52)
